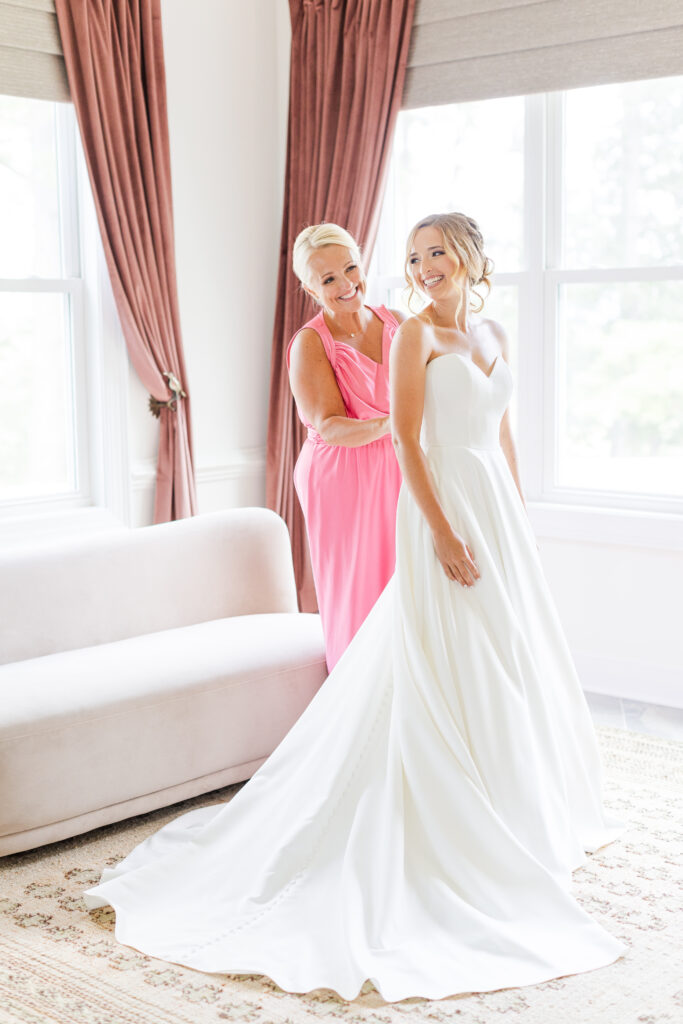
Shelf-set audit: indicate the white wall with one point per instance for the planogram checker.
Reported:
(621, 610)
(227, 79)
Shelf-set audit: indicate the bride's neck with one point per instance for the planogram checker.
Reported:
(447, 314)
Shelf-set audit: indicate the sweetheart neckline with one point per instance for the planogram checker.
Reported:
(465, 359)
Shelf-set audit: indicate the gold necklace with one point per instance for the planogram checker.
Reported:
(349, 334)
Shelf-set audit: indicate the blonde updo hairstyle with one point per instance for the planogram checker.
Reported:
(316, 236)
(464, 242)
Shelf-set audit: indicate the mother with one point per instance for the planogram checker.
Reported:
(347, 477)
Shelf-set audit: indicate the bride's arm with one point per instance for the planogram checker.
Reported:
(507, 441)
(410, 352)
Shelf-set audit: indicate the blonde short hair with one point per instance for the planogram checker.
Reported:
(464, 242)
(315, 237)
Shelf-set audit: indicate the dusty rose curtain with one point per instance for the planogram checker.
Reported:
(115, 66)
(348, 65)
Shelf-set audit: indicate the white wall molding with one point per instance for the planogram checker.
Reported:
(616, 527)
(236, 481)
(241, 462)
(143, 474)
(630, 680)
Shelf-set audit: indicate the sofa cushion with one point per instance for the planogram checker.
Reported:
(87, 728)
(96, 590)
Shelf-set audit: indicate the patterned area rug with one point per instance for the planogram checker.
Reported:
(60, 964)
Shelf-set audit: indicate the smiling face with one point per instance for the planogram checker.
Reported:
(335, 279)
(432, 269)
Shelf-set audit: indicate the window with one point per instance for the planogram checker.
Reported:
(40, 304)
(578, 197)
(618, 295)
(63, 366)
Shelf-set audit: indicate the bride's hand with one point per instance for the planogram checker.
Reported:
(456, 558)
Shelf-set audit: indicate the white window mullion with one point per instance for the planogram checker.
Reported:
(554, 162)
(107, 368)
(609, 275)
(68, 198)
(69, 218)
(530, 361)
(553, 369)
(34, 284)
(79, 376)
(550, 385)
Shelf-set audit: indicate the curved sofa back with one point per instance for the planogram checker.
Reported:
(130, 582)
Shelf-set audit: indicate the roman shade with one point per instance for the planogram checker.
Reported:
(477, 49)
(31, 60)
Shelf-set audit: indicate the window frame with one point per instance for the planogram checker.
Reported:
(611, 517)
(98, 367)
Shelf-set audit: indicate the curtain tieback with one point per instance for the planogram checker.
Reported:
(174, 385)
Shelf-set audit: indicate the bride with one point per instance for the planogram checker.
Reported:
(420, 823)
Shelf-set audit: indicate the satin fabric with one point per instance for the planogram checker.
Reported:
(420, 823)
(349, 495)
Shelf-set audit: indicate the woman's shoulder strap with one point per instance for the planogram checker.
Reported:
(317, 324)
(385, 315)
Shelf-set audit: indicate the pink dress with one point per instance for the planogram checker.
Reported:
(349, 495)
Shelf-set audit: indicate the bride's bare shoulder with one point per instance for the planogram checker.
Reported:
(498, 332)
(411, 341)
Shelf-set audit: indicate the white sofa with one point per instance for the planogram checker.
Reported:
(146, 666)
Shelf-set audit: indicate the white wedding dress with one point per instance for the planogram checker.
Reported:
(419, 824)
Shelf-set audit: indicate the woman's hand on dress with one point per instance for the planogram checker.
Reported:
(456, 557)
